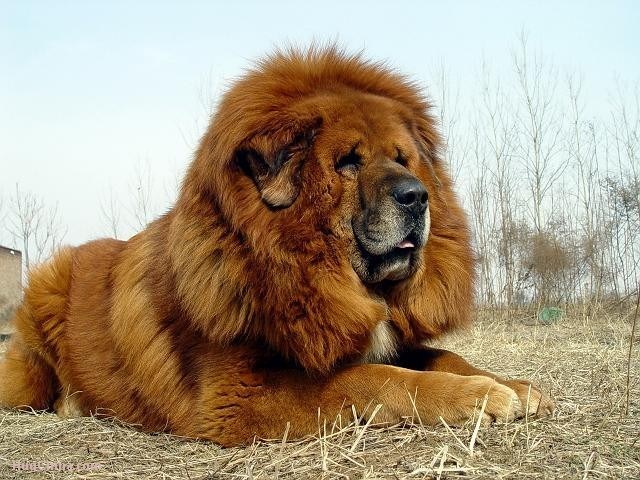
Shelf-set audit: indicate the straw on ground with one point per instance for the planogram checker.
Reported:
(581, 361)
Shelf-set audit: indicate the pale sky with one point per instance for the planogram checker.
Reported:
(90, 89)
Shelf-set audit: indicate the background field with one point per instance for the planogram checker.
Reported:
(581, 361)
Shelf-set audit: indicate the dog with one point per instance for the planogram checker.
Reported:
(315, 248)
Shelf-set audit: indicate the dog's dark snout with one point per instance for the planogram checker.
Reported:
(411, 194)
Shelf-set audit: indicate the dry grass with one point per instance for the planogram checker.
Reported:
(581, 361)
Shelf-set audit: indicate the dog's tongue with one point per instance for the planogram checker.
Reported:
(406, 244)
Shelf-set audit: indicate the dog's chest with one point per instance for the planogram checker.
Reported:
(383, 343)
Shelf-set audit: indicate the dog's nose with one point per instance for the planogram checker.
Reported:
(410, 194)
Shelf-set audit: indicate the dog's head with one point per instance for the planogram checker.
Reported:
(328, 167)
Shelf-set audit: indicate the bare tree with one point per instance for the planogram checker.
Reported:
(141, 207)
(447, 98)
(540, 126)
(483, 217)
(583, 153)
(624, 187)
(498, 130)
(110, 210)
(36, 227)
(554, 195)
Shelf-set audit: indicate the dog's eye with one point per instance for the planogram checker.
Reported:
(401, 159)
(350, 161)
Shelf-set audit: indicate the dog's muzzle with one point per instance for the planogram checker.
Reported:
(393, 225)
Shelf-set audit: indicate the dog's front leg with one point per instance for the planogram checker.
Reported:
(438, 360)
(263, 403)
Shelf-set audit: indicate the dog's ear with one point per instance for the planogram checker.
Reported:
(274, 160)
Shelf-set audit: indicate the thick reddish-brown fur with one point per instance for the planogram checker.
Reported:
(225, 318)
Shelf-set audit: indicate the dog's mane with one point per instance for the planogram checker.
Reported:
(243, 270)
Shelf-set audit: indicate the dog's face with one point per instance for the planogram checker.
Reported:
(384, 202)
(362, 151)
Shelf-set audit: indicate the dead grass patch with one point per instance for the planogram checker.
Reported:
(580, 360)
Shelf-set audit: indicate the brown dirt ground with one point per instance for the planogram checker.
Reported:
(581, 361)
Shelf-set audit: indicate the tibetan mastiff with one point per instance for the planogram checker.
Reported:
(315, 247)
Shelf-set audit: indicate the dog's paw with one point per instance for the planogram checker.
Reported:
(467, 398)
(533, 400)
